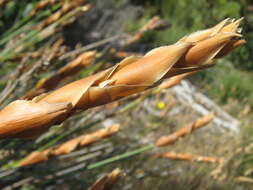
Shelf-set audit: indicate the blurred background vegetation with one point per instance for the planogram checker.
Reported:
(229, 83)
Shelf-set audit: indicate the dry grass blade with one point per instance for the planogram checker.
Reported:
(136, 74)
(69, 146)
(107, 181)
(188, 129)
(189, 157)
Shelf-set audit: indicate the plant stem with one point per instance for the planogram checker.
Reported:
(120, 157)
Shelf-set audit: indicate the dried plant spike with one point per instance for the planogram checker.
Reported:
(136, 74)
(155, 23)
(106, 182)
(86, 140)
(188, 129)
(23, 118)
(69, 146)
(189, 157)
(70, 69)
(130, 76)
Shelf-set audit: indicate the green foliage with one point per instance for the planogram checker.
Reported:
(233, 84)
(224, 83)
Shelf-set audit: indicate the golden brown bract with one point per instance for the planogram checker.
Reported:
(24, 119)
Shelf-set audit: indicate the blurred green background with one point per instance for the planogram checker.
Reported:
(229, 83)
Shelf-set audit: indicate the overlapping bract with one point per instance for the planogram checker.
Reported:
(135, 74)
(21, 115)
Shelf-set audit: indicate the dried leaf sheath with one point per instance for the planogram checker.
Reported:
(69, 146)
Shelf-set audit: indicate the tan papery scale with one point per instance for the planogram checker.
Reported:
(189, 157)
(230, 47)
(206, 50)
(69, 146)
(204, 34)
(188, 129)
(136, 74)
(155, 23)
(173, 81)
(226, 26)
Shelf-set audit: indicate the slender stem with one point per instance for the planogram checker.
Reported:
(120, 157)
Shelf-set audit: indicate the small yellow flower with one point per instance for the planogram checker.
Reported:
(160, 105)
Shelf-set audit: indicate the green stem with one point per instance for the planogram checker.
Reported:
(120, 157)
